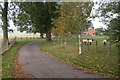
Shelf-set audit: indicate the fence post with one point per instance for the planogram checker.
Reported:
(26, 37)
(15, 38)
(54, 40)
(21, 38)
(65, 42)
(0, 49)
(118, 59)
(109, 48)
(61, 41)
(80, 44)
(118, 51)
(58, 39)
(88, 47)
(96, 46)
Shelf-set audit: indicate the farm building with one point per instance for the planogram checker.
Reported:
(90, 32)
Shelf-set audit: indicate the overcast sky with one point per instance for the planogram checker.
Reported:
(96, 21)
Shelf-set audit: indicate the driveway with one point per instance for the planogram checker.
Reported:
(41, 65)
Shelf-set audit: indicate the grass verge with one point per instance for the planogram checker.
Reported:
(8, 59)
(97, 62)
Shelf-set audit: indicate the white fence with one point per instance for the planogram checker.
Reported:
(16, 39)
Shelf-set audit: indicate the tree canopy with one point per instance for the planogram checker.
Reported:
(73, 16)
(39, 16)
(111, 17)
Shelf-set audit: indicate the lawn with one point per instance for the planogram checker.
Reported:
(8, 59)
(91, 59)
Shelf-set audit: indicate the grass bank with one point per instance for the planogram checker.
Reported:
(99, 61)
(8, 59)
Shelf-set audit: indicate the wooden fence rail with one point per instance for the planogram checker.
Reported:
(12, 42)
(97, 46)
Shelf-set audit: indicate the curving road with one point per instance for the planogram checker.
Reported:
(41, 65)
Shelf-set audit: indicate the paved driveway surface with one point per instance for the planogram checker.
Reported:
(41, 65)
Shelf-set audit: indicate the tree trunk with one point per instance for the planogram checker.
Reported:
(61, 41)
(48, 35)
(65, 42)
(80, 52)
(41, 35)
(58, 39)
(80, 44)
(5, 24)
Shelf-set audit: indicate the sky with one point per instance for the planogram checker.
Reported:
(96, 22)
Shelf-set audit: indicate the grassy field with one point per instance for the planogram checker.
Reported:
(8, 59)
(0, 66)
(90, 58)
(18, 35)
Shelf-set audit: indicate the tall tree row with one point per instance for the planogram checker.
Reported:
(39, 16)
(109, 13)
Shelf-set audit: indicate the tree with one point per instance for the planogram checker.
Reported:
(111, 17)
(41, 18)
(109, 14)
(74, 17)
(4, 13)
(114, 30)
(99, 31)
(23, 22)
(10, 30)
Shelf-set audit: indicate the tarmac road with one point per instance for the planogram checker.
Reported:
(41, 65)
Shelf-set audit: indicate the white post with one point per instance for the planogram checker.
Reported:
(65, 41)
(80, 52)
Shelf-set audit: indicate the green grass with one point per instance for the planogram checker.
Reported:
(96, 61)
(8, 59)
